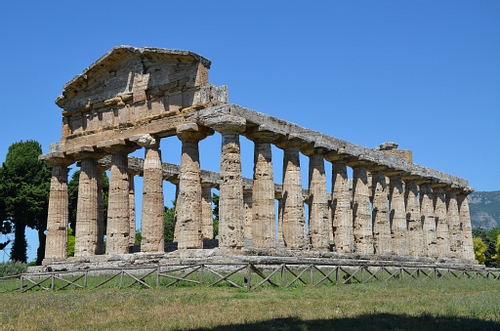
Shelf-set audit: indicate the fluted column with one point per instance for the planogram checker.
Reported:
(453, 219)
(318, 201)
(428, 220)
(414, 219)
(86, 231)
(131, 205)
(341, 207)
(399, 229)
(57, 220)
(231, 214)
(207, 220)
(363, 230)
(380, 214)
(189, 215)
(442, 229)
(152, 195)
(263, 206)
(292, 203)
(467, 246)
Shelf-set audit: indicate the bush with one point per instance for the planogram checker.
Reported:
(12, 268)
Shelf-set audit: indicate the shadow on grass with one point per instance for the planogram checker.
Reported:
(365, 322)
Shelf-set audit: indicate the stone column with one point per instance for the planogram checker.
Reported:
(207, 220)
(380, 214)
(399, 229)
(189, 196)
(131, 204)
(118, 229)
(248, 212)
(152, 195)
(428, 220)
(231, 214)
(263, 195)
(363, 231)
(453, 219)
(57, 220)
(414, 219)
(442, 229)
(318, 201)
(463, 206)
(292, 203)
(86, 231)
(341, 207)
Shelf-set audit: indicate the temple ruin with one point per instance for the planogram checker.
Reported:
(133, 98)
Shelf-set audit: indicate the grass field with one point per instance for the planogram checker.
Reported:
(451, 304)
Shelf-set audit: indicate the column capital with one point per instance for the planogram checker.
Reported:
(228, 123)
(145, 140)
(193, 132)
(117, 146)
(85, 152)
(291, 141)
(262, 133)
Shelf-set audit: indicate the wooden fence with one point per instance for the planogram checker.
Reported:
(245, 275)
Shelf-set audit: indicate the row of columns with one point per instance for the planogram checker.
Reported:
(393, 215)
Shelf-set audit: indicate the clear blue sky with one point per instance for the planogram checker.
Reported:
(425, 74)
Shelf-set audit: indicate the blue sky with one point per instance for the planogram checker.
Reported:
(425, 74)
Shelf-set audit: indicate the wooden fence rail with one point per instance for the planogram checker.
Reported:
(245, 275)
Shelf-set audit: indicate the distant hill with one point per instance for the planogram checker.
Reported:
(485, 209)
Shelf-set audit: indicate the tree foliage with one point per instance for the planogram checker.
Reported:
(25, 188)
(169, 221)
(490, 240)
(479, 249)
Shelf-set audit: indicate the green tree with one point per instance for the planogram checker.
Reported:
(169, 221)
(25, 185)
(497, 253)
(71, 242)
(490, 246)
(215, 213)
(479, 250)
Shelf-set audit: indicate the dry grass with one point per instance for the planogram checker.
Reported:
(396, 305)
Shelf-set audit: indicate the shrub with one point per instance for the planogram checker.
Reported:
(12, 268)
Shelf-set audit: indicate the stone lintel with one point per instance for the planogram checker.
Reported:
(193, 132)
(56, 158)
(227, 123)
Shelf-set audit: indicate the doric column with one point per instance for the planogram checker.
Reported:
(152, 195)
(131, 206)
(463, 206)
(442, 229)
(380, 214)
(57, 220)
(231, 214)
(428, 220)
(318, 200)
(118, 227)
(363, 230)
(86, 231)
(263, 195)
(341, 206)
(414, 219)
(292, 204)
(207, 220)
(399, 229)
(453, 220)
(189, 210)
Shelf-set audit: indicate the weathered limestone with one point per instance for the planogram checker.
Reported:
(231, 214)
(428, 220)
(207, 221)
(248, 212)
(399, 228)
(464, 214)
(442, 230)
(57, 220)
(87, 210)
(318, 202)
(341, 209)
(363, 231)
(263, 205)
(414, 219)
(292, 204)
(118, 228)
(453, 219)
(380, 214)
(189, 209)
(100, 210)
(152, 196)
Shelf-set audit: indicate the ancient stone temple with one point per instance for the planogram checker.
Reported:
(134, 98)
